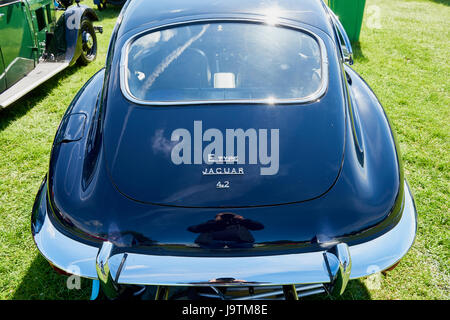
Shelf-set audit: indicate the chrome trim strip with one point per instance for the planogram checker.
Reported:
(316, 95)
(202, 271)
(260, 295)
(348, 57)
(272, 293)
(310, 293)
(307, 268)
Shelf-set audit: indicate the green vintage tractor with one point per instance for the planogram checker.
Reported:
(35, 45)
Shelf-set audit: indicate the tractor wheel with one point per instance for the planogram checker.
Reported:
(88, 42)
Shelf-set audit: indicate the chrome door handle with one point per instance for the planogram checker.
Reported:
(1, 15)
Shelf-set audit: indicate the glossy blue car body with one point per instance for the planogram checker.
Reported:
(339, 191)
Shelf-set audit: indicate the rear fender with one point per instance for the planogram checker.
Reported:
(72, 18)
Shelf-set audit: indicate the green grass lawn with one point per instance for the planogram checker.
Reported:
(403, 54)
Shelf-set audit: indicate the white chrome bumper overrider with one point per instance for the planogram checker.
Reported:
(331, 266)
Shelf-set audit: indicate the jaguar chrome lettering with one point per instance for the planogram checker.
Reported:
(222, 171)
(256, 151)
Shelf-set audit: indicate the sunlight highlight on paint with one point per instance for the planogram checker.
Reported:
(272, 15)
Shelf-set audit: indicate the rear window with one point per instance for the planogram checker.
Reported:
(229, 61)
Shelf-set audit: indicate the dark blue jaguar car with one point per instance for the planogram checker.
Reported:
(226, 151)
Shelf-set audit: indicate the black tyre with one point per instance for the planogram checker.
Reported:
(88, 42)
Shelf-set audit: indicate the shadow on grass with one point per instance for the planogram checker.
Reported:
(28, 101)
(108, 13)
(42, 283)
(358, 54)
(356, 290)
(446, 2)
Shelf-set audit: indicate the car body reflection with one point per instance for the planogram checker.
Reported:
(227, 230)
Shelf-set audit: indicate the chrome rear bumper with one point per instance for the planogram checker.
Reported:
(333, 266)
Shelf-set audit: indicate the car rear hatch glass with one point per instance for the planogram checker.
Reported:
(223, 61)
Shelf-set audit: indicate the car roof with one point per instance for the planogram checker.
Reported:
(152, 13)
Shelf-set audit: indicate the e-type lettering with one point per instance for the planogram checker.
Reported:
(258, 150)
